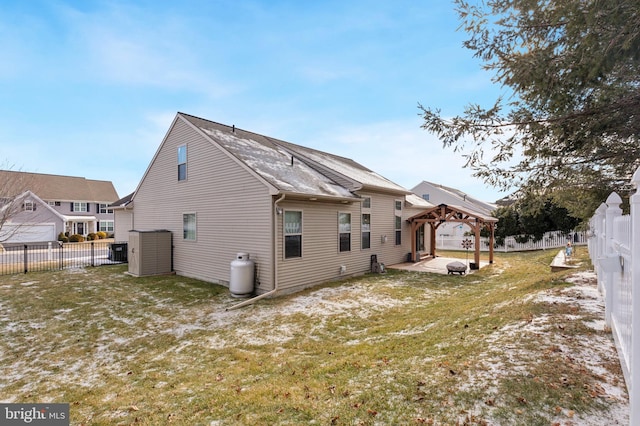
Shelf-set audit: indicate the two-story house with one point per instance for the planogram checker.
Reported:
(42, 206)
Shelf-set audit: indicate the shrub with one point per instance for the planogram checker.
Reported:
(63, 238)
(92, 236)
(101, 235)
(76, 238)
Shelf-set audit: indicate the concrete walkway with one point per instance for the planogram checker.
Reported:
(436, 265)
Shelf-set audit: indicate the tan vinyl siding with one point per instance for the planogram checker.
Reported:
(321, 259)
(123, 223)
(233, 209)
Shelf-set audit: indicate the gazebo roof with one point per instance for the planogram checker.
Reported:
(448, 213)
(437, 215)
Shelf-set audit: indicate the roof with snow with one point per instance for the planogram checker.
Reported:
(293, 168)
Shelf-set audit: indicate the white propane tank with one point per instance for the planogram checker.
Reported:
(241, 281)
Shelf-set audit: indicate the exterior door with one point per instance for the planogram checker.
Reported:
(80, 228)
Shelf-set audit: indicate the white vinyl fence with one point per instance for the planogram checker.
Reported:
(614, 248)
(550, 240)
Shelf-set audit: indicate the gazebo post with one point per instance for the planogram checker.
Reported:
(492, 227)
(432, 239)
(413, 241)
(476, 256)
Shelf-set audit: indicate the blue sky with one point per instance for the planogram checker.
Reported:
(89, 88)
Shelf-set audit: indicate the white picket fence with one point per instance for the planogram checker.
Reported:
(550, 240)
(614, 248)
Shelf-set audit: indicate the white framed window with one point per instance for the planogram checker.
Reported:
(189, 226)
(79, 207)
(344, 231)
(366, 203)
(104, 209)
(366, 231)
(182, 162)
(29, 206)
(105, 226)
(398, 222)
(292, 234)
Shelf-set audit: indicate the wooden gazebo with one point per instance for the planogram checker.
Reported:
(438, 215)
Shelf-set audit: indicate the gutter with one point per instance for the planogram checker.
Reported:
(275, 262)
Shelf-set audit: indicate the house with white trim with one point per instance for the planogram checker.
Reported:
(47, 205)
(304, 216)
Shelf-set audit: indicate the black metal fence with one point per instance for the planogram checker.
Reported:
(53, 256)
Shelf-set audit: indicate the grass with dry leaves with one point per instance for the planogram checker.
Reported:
(510, 344)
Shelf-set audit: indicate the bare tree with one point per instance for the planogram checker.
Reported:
(17, 201)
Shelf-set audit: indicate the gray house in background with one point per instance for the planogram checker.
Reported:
(303, 216)
(51, 204)
(437, 194)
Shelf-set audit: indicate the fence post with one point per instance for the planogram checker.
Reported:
(598, 245)
(92, 255)
(613, 211)
(25, 256)
(634, 394)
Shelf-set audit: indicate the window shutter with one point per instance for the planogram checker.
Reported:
(88, 207)
(71, 206)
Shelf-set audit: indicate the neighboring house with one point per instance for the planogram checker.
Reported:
(123, 217)
(439, 194)
(303, 216)
(52, 204)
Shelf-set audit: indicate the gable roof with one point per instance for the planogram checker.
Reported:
(62, 188)
(453, 196)
(122, 202)
(291, 168)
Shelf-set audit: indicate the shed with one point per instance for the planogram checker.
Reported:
(149, 253)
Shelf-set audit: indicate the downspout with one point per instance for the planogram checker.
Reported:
(275, 262)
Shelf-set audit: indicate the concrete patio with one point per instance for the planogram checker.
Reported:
(437, 265)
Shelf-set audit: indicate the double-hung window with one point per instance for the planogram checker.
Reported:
(105, 226)
(398, 223)
(79, 207)
(344, 231)
(366, 224)
(103, 208)
(189, 226)
(292, 234)
(182, 162)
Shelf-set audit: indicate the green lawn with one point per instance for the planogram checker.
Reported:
(510, 344)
